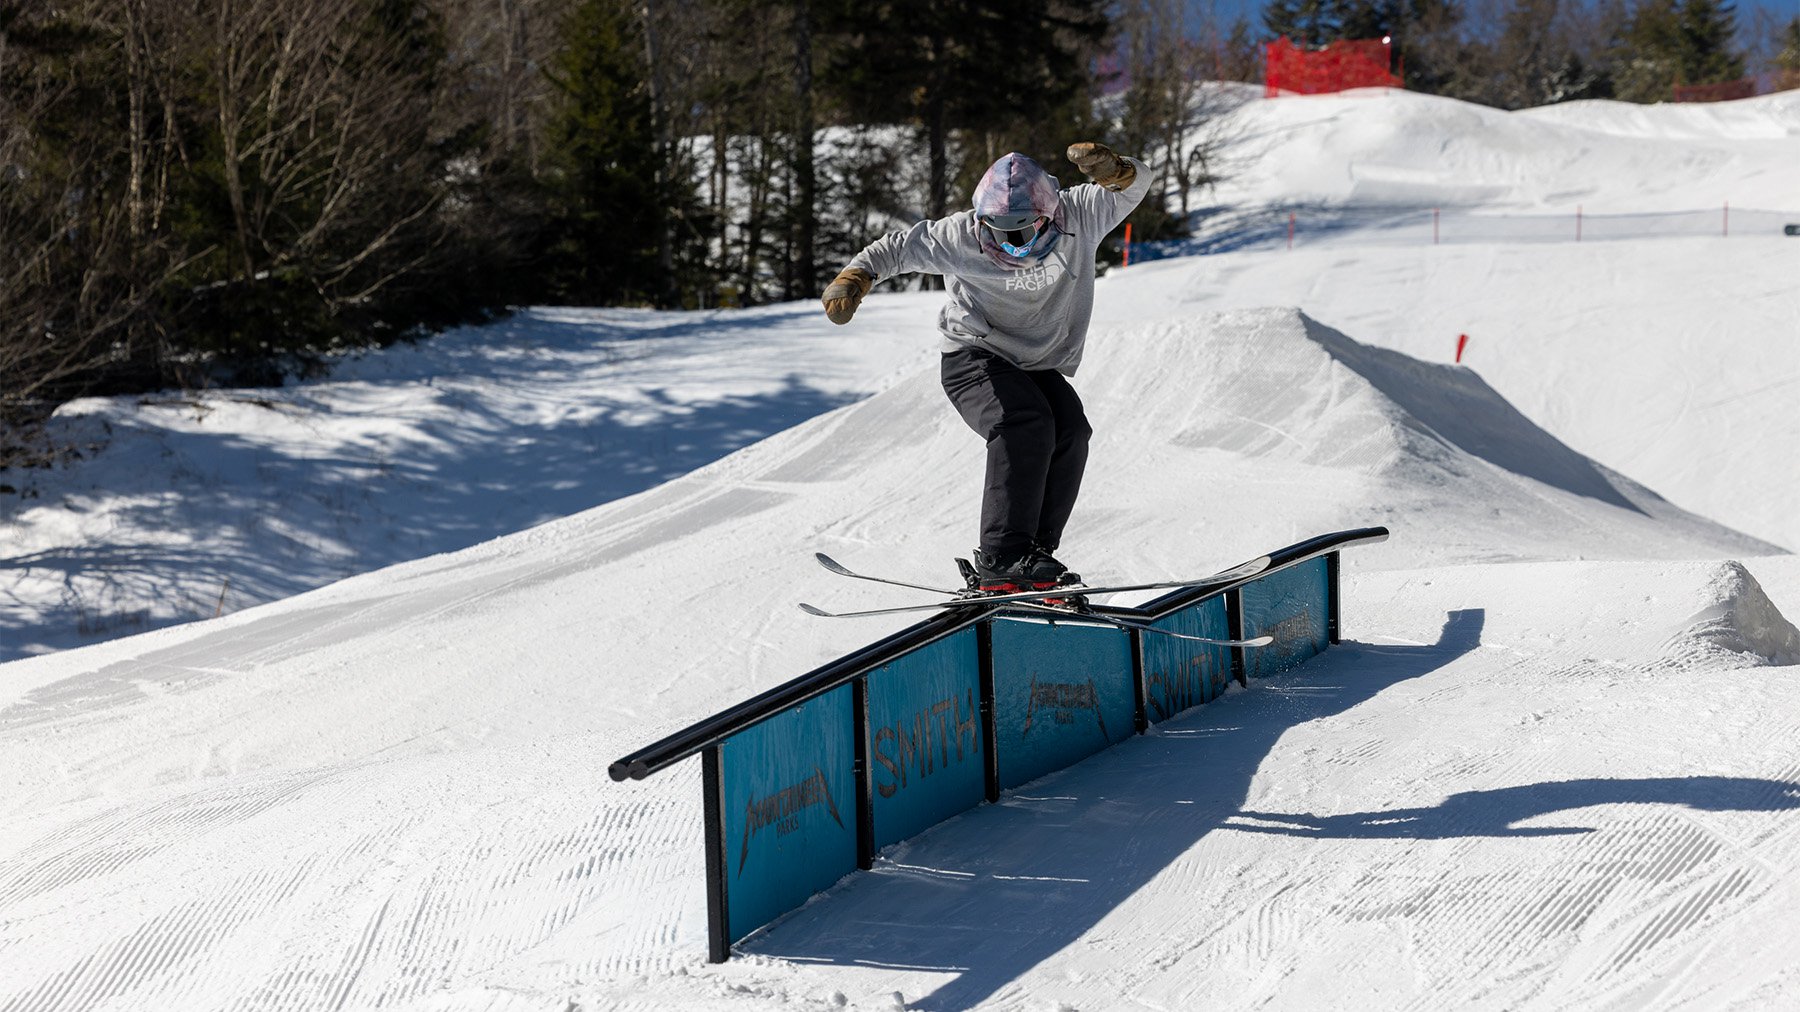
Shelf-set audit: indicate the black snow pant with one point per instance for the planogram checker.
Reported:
(1037, 445)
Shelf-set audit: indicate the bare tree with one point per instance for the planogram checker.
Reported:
(499, 49)
(79, 266)
(316, 130)
(1172, 111)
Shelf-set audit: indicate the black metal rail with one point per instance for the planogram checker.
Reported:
(716, 728)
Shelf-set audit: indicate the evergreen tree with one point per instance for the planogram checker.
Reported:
(1241, 59)
(960, 65)
(1670, 42)
(1304, 22)
(1372, 19)
(1787, 60)
(604, 160)
(1706, 53)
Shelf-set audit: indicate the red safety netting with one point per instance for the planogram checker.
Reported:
(1347, 63)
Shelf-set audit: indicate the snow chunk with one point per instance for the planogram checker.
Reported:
(1738, 623)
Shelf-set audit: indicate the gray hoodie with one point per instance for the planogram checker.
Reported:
(1032, 312)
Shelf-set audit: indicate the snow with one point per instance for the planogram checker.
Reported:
(1736, 619)
(417, 450)
(1553, 765)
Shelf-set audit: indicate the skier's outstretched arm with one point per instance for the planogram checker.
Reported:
(1121, 183)
(904, 251)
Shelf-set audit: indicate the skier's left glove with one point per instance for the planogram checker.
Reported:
(1104, 167)
(845, 293)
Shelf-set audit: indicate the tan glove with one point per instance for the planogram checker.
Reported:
(845, 293)
(1102, 166)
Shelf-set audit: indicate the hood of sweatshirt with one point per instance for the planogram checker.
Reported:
(1015, 184)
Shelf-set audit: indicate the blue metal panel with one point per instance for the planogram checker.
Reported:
(925, 737)
(1293, 606)
(1062, 692)
(789, 806)
(1180, 674)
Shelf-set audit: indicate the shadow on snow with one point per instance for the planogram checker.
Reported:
(1499, 812)
(998, 890)
(478, 463)
(1001, 888)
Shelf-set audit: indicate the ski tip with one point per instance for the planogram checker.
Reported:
(810, 610)
(832, 564)
(1260, 641)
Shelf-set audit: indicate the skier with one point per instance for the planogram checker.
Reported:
(1019, 271)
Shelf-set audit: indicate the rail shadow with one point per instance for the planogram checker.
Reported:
(992, 893)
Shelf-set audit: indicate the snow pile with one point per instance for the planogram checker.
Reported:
(1738, 624)
(1398, 147)
(1201, 409)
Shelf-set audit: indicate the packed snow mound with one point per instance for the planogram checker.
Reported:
(1378, 436)
(1738, 622)
(1402, 148)
(1765, 117)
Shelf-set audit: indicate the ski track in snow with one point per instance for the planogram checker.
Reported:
(339, 890)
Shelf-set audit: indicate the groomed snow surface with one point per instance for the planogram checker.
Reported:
(1555, 763)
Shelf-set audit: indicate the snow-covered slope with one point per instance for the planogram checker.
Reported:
(1668, 360)
(198, 504)
(1398, 147)
(1671, 357)
(1555, 764)
(1674, 361)
(390, 790)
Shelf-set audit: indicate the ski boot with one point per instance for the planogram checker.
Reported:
(1034, 569)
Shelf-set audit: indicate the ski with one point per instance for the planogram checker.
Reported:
(1232, 575)
(834, 566)
(1125, 623)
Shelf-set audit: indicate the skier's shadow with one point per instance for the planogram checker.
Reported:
(991, 893)
(1499, 812)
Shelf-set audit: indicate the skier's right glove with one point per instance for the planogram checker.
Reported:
(845, 293)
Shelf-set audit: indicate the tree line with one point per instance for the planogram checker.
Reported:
(198, 192)
(1517, 54)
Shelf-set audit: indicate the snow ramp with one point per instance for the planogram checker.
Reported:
(1233, 405)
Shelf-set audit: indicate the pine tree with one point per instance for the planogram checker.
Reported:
(1787, 61)
(1241, 59)
(1304, 22)
(1706, 54)
(604, 160)
(960, 65)
(1670, 43)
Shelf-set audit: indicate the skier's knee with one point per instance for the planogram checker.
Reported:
(1026, 427)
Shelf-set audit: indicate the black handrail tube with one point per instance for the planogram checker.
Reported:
(716, 728)
(691, 740)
